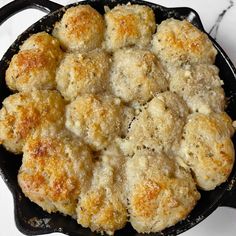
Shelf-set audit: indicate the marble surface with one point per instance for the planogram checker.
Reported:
(218, 18)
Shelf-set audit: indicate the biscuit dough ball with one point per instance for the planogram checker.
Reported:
(31, 69)
(96, 119)
(79, 74)
(80, 29)
(23, 113)
(179, 42)
(200, 87)
(55, 170)
(34, 67)
(103, 207)
(158, 126)
(136, 75)
(207, 149)
(44, 42)
(128, 25)
(160, 192)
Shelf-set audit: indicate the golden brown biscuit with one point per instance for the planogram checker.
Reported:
(96, 119)
(179, 42)
(44, 42)
(200, 87)
(160, 192)
(207, 149)
(55, 170)
(34, 67)
(136, 75)
(79, 74)
(128, 25)
(23, 113)
(80, 29)
(158, 126)
(103, 207)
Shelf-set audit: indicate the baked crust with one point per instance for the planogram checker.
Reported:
(96, 119)
(34, 67)
(55, 170)
(160, 192)
(200, 87)
(80, 29)
(103, 206)
(128, 25)
(158, 126)
(83, 73)
(207, 149)
(23, 113)
(179, 42)
(136, 75)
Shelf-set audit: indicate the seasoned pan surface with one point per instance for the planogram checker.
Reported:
(30, 219)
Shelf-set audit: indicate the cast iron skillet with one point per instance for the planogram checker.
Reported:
(29, 218)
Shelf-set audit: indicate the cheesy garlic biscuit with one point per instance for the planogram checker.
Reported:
(55, 170)
(128, 25)
(136, 75)
(34, 67)
(80, 29)
(207, 149)
(160, 192)
(23, 113)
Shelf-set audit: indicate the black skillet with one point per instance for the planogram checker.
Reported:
(29, 218)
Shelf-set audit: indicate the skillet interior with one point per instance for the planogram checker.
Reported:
(30, 219)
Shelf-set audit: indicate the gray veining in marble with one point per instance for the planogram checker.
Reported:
(214, 30)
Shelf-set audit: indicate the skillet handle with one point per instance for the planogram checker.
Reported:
(230, 198)
(18, 5)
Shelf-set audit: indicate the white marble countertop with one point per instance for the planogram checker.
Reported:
(218, 18)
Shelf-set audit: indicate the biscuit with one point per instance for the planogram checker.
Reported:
(55, 170)
(80, 29)
(96, 119)
(158, 126)
(42, 41)
(200, 87)
(207, 149)
(128, 25)
(34, 67)
(103, 207)
(23, 113)
(160, 192)
(79, 74)
(136, 75)
(177, 43)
